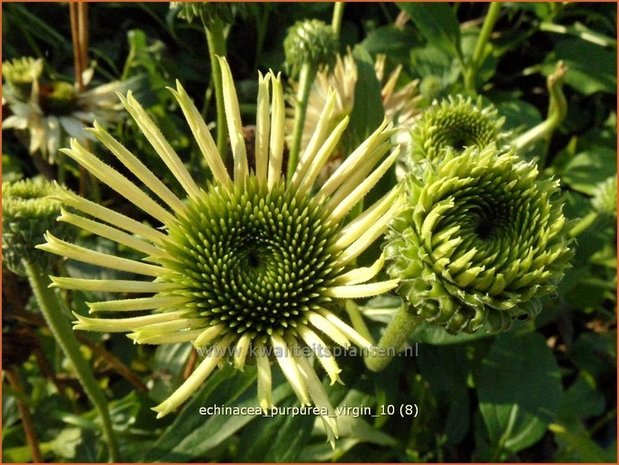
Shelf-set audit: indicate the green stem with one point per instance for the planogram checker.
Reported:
(306, 77)
(557, 110)
(217, 47)
(52, 311)
(395, 336)
(584, 224)
(338, 14)
(486, 29)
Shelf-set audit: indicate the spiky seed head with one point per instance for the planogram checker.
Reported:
(310, 42)
(482, 239)
(454, 123)
(27, 212)
(254, 260)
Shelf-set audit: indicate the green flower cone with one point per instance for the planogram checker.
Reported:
(27, 213)
(454, 123)
(482, 239)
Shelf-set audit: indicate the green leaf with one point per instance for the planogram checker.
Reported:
(390, 40)
(590, 167)
(582, 400)
(519, 390)
(575, 445)
(276, 439)
(368, 111)
(591, 68)
(438, 24)
(191, 436)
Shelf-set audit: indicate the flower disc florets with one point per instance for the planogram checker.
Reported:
(482, 239)
(454, 123)
(252, 259)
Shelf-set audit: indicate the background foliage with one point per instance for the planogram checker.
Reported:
(545, 391)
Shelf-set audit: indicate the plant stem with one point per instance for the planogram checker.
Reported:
(395, 336)
(52, 311)
(217, 47)
(12, 376)
(584, 224)
(486, 29)
(306, 77)
(557, 110)
(338, 14)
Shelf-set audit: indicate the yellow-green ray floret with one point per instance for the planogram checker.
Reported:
(482, 239)
(454, 123)
(252, 266)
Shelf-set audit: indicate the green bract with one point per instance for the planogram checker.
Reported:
(310, 42)
(27, 213)
(482, 239)
(454, 123)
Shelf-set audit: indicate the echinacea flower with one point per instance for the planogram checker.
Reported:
(481, 240)
(248, 267)
(400, 104)
(53, 111)
(454, 123)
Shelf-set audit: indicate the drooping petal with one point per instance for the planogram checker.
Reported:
(324, 355)
(120, 325)
(131, 305)
(362, 274)
(288, 364)
(240, 351)
(110, 285)
(320, 322)
(341, 206)
(265, 396)
(82, 254)
(349, 332)
(358, 291)
(320, 399)
(111, 233)
(194, 381)
(109, 216)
